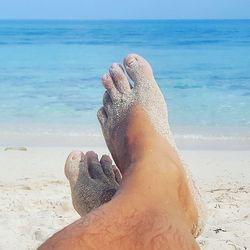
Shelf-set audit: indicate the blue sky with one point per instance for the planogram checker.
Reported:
(124, 9)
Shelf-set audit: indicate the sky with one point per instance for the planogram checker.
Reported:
(125, 9)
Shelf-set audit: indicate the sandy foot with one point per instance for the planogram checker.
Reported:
(93, 182)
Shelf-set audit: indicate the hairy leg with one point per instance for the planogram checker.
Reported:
(154, 208)
(147, 211)
(120, 98)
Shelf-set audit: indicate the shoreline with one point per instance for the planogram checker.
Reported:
(36, 199)
(90, 140)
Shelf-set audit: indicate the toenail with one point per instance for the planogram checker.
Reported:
(131, 61)
(75, 156)
(106, 159)
(106, 77)
(114, 65)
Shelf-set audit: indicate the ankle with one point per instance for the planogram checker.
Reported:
(162, 182)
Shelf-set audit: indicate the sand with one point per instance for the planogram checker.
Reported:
(35, 196)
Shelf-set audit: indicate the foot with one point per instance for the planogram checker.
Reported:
(123, 104)
(92, 182)
(121, 97)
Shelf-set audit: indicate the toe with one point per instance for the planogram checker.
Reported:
(107, 102)
(72, 164)
(138, 69)
(118, 175)
(109, 85)
(106, 163)
(102, 116)
(119, 78)
(95, 168)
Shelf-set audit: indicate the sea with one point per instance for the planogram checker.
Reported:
(50, 71)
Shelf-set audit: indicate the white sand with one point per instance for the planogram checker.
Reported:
(35, 196)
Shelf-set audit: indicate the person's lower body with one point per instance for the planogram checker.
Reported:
(154, 206)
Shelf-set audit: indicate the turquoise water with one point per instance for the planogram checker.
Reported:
(50, 73)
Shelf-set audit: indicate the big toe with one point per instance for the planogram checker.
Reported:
(138, 69)
(71, 168)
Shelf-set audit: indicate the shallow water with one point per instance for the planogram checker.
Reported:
(50, 74)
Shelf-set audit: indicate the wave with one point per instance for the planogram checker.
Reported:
(54, 137)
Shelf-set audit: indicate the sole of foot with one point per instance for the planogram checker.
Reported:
(93, 182)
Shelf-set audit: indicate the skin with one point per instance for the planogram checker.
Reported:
(92, 182)
(153, 208)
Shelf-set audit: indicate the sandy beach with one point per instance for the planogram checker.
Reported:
(36, 202)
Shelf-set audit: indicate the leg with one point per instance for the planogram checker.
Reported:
(118, 100)
(154, 208)
(148, 211)
(146, 90)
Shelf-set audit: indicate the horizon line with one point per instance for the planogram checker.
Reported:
(122, 19)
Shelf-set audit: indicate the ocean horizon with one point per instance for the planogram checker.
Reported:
(50, 71)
